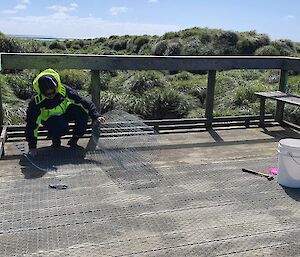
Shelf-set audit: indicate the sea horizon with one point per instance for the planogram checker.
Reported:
(37, 37)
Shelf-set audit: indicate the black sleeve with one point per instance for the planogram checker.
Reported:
(87, 104)
(32, 114)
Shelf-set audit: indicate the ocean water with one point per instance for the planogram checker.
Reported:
(36, 37)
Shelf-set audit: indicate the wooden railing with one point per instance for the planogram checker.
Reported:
(97, 63)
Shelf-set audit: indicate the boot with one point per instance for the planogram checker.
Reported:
(73, 141)
(56, 142)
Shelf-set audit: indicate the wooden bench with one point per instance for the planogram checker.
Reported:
(281, 99)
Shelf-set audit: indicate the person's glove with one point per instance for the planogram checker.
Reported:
(100, 119)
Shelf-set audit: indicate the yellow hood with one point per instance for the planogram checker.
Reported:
(47, 72)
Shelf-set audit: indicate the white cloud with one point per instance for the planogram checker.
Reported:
(63, 9)
(288, 17)
(19, 7)
(77, 27)
(116, 10)
(152, 1)
(74, 5)
(12, 11)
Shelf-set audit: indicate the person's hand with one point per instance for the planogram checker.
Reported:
(33, 152)
(100, 119)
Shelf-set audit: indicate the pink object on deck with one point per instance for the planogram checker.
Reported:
(273, 171)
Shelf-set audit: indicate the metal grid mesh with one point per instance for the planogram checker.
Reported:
(127, 140)
(201, 210)
(128, 206)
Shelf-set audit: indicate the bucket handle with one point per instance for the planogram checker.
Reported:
(293, 158)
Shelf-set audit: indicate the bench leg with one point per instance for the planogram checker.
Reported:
(262, 112)
(279, 112)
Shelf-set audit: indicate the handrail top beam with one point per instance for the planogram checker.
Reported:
(155, 56)
(141, 62)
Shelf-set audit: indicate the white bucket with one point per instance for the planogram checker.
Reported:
(289, 162)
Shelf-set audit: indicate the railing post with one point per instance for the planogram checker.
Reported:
(95, 87)
(282, 88)
(1, 108)
(210, 95)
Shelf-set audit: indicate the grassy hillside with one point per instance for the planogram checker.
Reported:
(155, 95)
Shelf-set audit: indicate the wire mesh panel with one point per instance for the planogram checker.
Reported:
(186, 210)
(127, 140)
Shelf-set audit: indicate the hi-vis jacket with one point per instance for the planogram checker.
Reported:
(41, 108)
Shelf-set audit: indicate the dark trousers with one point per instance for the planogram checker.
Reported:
(59, 125)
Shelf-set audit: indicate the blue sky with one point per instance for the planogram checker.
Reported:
(88, 19)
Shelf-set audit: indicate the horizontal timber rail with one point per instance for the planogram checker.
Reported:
(137, 62)
(17, 132)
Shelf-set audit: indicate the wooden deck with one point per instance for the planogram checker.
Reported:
(194, 200)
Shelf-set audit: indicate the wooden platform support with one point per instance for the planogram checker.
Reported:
(3, 137)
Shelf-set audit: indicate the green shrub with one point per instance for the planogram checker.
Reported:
(160, 48)
(68, 43)
(119, 45)
(203, 34)
(192, 32)
(250, 41)
(292, 114)
(146, 49)
(293, 85)
(285, 47)
(81, 42)
(11, 45)
(144, 81)
(117, 83)
(196, 112)
(166, 48)
(110, 100)
(154, 104)
(6, 93)
(246, 46)
(57, 45)
(245, 75)
(227, 37)
(14, 115)
(77, 44)
(34, 46)
(104, 79)
(76, 79)
(164, 103)
(107, 51)
(141, 42)
(184, 75)
(199, 93)
(99, 40)
(135, 44)
(21, 84)
(193, 47)
(170, 35)
(245, 95)
(173, 48)
(267, 50)
(197, 47)
(131, 104)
